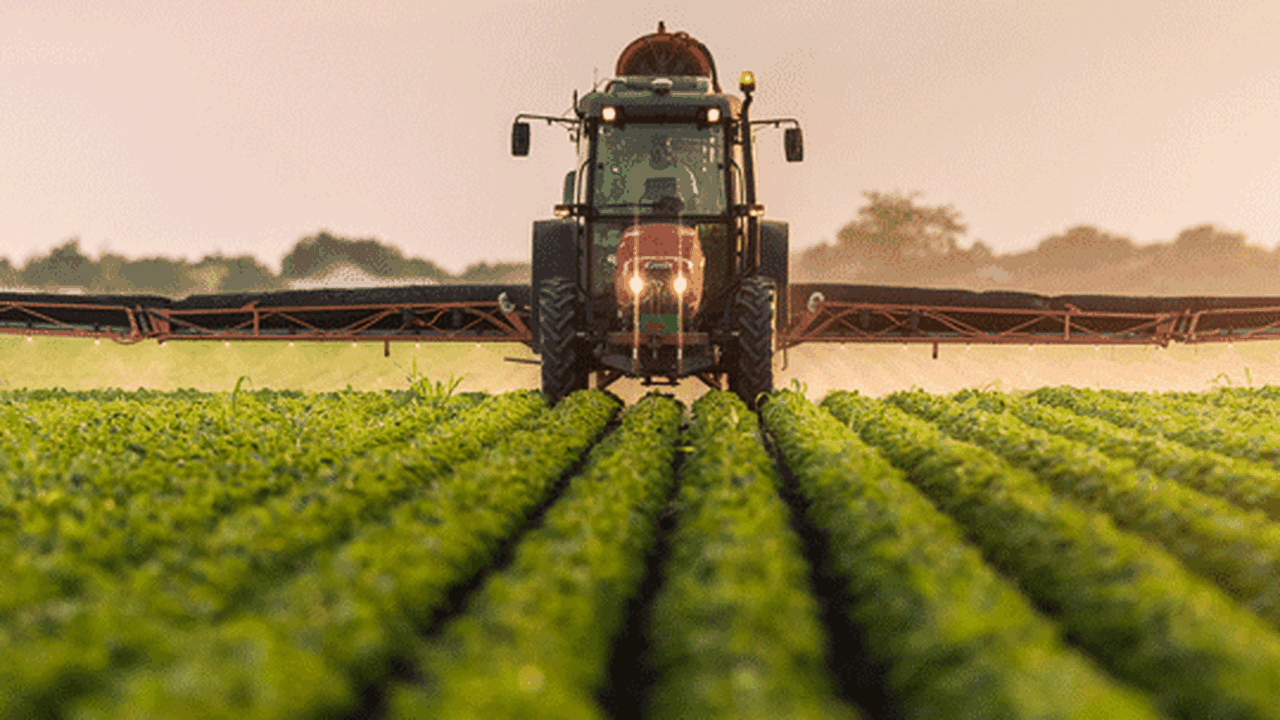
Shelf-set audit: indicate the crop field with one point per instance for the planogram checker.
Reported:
(438, 553)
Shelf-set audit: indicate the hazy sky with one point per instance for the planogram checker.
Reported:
(156, 128)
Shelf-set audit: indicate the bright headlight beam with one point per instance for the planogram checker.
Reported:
(608, 113)
(713, 115)
(636, 284)
(680, 283)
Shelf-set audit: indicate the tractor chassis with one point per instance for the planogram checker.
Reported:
(650, 356)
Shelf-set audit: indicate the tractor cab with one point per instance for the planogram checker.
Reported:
(656, 188)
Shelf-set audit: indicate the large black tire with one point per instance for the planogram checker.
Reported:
(563, 363)
(750, 361)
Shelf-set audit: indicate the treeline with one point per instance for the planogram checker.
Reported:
(894, 240)
(312, 259)
(897, 240)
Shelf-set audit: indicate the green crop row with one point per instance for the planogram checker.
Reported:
(735, 631)
(1265, 394)
(1247, 484)
(49, 645)
(1226, 408)
(959, 640)
(535, 642)
(1259, 402)
(190, 561)
(1252, 442)
(1137, 610)
(310, 646)
(1239, 551)
(131, 469)
(90, 528)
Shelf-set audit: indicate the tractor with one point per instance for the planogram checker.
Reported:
(659, 264)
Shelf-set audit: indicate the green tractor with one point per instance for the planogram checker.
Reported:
(658, 265)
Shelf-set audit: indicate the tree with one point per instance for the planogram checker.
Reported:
(1083, 247)
(1208, 240)
(314, 255)
(9, 276)
(156, 275)
(110, 276)
(503, 272)
(893, 229)
(244, 274)
(64, 266)
(894, 238)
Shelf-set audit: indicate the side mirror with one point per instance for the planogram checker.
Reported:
(520, 139)
(794, 143)
(568, 187)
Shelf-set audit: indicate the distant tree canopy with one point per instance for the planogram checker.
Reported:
(893, 233)
(1209, 240)
(64, 266)
(893, 239)
(67, 268)
(897, 240)
(8, 274)
(1081, 247)
(242, 273)
(316, 254)
(893, 228)
(483, 272)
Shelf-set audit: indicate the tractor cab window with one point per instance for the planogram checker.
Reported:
(646, 169)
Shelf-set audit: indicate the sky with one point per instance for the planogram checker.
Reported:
(150, 128)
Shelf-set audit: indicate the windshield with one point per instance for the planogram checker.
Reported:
(644, 169)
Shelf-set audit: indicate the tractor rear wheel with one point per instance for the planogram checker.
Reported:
(563, 363)
(750, 365)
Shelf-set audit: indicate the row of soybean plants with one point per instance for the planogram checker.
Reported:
(1124, 561)
(1251, 406)
(310, 642)
(732, 628)
(222, 499)
(1253, 436)
(964, 630)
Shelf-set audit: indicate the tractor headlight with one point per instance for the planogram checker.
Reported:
(680, 284)
(713, 115)
(636, 284)
(608, 113)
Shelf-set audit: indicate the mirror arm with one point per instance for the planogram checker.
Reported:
(775, 122)
(571, 122)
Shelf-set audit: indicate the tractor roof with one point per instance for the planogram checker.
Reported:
(652, 97)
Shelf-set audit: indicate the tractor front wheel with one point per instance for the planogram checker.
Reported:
(750, 361)
(563, 363)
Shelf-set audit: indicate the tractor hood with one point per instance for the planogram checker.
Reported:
(660, 272)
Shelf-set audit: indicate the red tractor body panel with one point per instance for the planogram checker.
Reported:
(660, 255)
